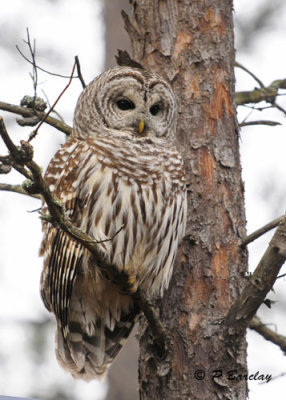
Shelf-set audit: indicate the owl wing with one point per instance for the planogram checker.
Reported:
(62, 254)
(94, 319)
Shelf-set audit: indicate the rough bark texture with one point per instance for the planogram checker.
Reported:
(191, 44)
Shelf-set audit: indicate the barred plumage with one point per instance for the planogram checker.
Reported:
(119, 168)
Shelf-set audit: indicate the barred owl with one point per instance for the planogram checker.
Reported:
(119, 168)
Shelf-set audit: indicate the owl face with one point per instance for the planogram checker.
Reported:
(127, 100)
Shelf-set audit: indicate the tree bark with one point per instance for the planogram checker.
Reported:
(190, 43)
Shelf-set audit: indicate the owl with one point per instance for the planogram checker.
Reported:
(121, 180)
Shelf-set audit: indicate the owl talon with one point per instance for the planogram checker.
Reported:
(130, 286)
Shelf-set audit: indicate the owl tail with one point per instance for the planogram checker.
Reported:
(87, 351)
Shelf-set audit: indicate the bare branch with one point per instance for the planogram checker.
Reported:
(261, 122)
(259, 284)
(257, 325)
(16, 189)
(29, 112)
(261, 231)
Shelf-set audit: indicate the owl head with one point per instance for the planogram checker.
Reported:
(126, 101)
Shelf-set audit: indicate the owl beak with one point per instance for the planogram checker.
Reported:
(141, 126)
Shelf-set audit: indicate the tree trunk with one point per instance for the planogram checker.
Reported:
(190, 43)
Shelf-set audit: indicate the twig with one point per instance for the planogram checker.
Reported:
(49, 105)
(16, 189)
(43, 69)
(257, 325)
(237, 64)
(261, 122)
(279, 107)
(29, 112)
(32, 121)
(113, 236)
(34, 133)
(24, 157)
(261, 231)
(21, 170)
(79, 72)
(34, 74)
(255, 108)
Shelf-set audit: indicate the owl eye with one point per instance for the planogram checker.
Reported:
(155, 109)
(125, 104)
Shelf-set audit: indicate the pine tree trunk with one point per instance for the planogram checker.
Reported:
(191, 44)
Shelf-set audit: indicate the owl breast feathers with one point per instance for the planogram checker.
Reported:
(121, 180)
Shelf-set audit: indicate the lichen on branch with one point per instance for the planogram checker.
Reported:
(257, 95)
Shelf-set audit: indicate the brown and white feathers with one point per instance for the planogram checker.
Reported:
(119, 168)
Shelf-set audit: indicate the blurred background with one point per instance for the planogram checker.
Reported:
(93, 30)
